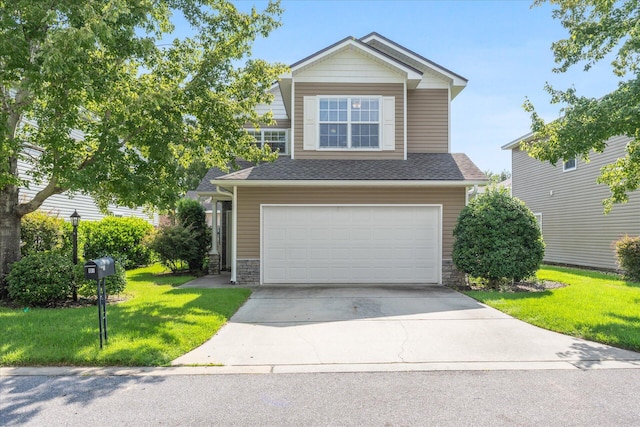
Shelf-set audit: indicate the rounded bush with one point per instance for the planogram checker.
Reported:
(115, 284)
(628, 255)
(40, 279)
(174, 245)
(497, 237)
(120, 238)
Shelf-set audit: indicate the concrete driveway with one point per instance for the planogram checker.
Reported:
(350, 329)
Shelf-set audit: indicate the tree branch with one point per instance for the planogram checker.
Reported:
(42, 195)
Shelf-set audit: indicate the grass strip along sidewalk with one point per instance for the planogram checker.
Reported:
(154, 326)
(595, 306)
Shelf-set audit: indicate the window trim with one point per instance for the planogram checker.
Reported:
(263, 130)
(349, 123)
(569, 169)
(538, 216)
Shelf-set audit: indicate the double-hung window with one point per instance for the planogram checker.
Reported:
(349, 122)
(274, 138)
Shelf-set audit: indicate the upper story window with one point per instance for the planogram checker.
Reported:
(275, 138)
(569, 165)
(349, 122)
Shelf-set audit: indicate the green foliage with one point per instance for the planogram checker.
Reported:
(497, 237)
(120, 238)
(42, 232)
(628, 255)
(118, 106)
(496, 177)
(596, 29)
(41, 278)
(175, 246)
(191, 215)
(115, 284)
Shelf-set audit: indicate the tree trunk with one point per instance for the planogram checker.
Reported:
(9, 233)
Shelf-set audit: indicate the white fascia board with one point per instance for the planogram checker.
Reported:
(354, 183)
(410, 72)
(516, 142)
(456, 80)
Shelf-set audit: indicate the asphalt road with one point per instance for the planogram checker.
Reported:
(480, 398)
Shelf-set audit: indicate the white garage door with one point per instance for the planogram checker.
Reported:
(351, 244)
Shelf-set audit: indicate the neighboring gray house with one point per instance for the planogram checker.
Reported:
(63, 205)
(568, 204)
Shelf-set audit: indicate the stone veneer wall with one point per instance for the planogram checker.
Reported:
(451, 276)
(214, 263)
(248, 272)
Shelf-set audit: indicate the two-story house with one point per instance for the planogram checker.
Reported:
(365, 189)
(568, 204)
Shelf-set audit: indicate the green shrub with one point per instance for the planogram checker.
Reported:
(120, 238)
(628, 255)
(41, 232)
(191, 215)
(115, 284)
(174, 245)
(41, 278)
(497, 237)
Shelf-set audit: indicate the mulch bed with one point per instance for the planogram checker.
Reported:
(537, 286)
(82, 302)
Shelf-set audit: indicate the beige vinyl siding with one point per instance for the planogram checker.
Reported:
(279, 124)
(373, 89)
(250, 199)
(574, 227)
(428, 121)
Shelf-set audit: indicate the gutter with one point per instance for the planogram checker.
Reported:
(345, 183)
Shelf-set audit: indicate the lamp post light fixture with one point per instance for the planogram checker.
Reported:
(75, 220)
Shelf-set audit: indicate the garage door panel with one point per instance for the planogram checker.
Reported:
(351, 244)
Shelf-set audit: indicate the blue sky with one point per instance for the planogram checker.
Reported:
(502, 47)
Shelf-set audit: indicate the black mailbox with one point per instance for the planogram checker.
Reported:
(99, 268)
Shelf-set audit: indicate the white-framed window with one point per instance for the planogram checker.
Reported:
(277, 139)
(539, 219)
(569, 165)
(349, 122)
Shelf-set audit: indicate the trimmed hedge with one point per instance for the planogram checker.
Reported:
(41, 232)
(191, 215)
(124, 239)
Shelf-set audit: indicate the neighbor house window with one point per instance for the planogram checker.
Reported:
(274, 138)
(569, 165)
(349, 122)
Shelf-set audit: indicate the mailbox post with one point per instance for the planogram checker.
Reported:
(99, 269)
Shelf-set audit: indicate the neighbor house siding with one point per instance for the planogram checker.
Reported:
(63, 205)
(250, 199)
(574, 227)
(373, 89)
(428, 121)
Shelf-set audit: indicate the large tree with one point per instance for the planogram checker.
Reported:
(597, 29)
(100, 97)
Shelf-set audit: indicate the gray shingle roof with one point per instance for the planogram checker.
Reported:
(205, 185)
(417, 167)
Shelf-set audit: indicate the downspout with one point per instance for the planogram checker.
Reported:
(234, 234)
(468, 195)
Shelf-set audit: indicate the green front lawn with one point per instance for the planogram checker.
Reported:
(595, 306)
(156, 325)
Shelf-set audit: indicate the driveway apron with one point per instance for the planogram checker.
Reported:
(390, 328)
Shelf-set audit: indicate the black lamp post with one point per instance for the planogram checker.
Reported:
(75, 220)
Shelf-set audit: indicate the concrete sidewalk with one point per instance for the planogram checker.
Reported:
(352, 329)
